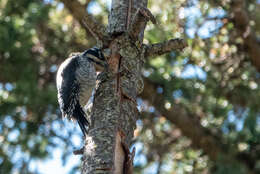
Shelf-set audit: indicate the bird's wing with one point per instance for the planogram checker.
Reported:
(67, 85)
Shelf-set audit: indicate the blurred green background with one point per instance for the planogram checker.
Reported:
(200, 109)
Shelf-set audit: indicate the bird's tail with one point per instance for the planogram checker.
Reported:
(80, 116)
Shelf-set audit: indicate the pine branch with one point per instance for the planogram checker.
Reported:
(164, 47)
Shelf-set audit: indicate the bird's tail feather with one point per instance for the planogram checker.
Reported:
(80, 116)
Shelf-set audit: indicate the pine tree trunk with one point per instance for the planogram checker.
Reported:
(114, 111)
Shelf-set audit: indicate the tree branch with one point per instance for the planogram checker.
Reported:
(87, 21)
(96, 29)
(191, 127)
(142, 16)
(241, 20)
(187, 123)
(164, 47)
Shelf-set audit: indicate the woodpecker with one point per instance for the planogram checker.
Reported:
(76, 79)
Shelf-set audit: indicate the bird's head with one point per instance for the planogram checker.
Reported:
(96, 56)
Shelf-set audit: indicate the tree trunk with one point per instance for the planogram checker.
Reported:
(114, 110)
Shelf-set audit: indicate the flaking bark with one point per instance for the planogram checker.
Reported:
(118, 17)
(114, 112)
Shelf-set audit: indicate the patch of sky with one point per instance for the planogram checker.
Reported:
(209, 28)
(23, 125)
(47, 1)
(258, 120)
(193, 71)
(56, 125)
(55, 165)
(60, 6)
(139, 101)
(94, 8)
(159, 90)
(146, 73)
(139, 123)
(9, 87)
(140, 159)
(152, 168)
(1, 86)
(193, 15)
(19, 157)
(13, 135)
(8, 121)
(30, 143)
(151, 109)
(53, 68)
(185, 60)
(76, 140)
(238, 121)
(139, 104)
(191, 32)
(216, 12)
(180, 62)
(177, 94)
(66, 127)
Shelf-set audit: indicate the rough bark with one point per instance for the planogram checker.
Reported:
(114, 112)
(142, 15)
(164, 47)
(118, 16)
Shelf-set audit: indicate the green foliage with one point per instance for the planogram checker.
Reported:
(212, 79)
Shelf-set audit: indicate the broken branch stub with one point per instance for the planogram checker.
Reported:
(141, 17)
(164, 47)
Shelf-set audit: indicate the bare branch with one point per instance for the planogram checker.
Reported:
(87, 21)
(97, 29)
(141, 17)
(79, 151)
(165, 47)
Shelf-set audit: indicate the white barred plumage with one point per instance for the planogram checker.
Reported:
(76, 79)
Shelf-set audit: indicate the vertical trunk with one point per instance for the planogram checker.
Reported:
(114, 110)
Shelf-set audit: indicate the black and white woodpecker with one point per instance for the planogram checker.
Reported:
(76, 79)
